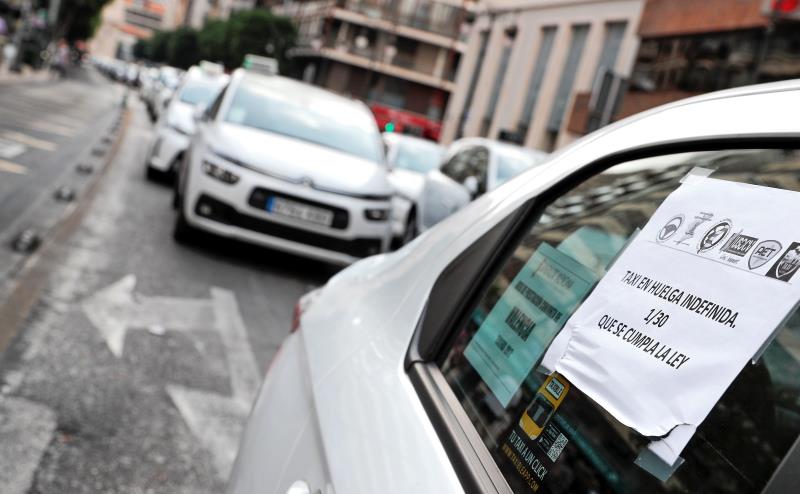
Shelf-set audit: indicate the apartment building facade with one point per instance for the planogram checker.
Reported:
(689, 48)
(526, 60)
(398, 56)
(123, 22)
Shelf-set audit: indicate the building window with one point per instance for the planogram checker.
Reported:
(714, 61)
(476, 73)
(615, 31)
(542, 59)
(579, 33)
(486, 123)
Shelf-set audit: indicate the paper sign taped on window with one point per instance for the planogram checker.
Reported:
(518, 329)
(685, 306)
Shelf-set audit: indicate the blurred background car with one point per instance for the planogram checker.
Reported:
(199, 88)
(290, 166)
(157, 94)
(472, 167)
(409, 159)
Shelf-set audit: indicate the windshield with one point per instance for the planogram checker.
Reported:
(200, 91)
(418, 155)
(511, 164)
(325, 121)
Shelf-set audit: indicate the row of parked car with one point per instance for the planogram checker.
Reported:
(421, 371)
(280, 163)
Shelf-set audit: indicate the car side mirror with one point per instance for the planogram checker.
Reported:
(199, 112)
(471, 184)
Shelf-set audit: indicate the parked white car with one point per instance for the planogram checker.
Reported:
(472, 167)
(158, 97)
(290, 166)
(410, 159)
(375, 389)
(175, 127)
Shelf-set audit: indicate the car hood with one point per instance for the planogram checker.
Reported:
(296, 160)
(181, 115)
(407, 183)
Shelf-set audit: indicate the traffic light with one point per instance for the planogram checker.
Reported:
(389, 127)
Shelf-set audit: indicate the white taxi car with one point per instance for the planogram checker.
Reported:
(409, 158)
(176, 125)
(471, 167)
(396, 376)
(289, 166)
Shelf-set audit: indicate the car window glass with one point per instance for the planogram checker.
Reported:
(479, 167)
(457, 167)
(417, 155)
(582, 448)
(196, 91)
(511, 164)
(280, 107)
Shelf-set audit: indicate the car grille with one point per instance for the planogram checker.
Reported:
(259, 196)
(221, 212)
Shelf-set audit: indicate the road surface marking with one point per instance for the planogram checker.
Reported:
(216, 421)
(7, 166)
(30, 141)
(52, 128)
(116, 308)
(10, 150)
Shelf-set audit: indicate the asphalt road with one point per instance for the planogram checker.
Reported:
(135, 366)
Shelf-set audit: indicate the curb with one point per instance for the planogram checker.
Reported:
(28, 278)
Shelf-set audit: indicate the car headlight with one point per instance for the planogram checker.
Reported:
(376, 214)
(219, 173)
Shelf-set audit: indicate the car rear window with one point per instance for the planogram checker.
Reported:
(578, 445)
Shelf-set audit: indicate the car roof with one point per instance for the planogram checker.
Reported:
(493, 145)
(197, 72)
(394, 136)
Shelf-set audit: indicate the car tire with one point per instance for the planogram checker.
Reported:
(183, 233)
(152, 174)
(176, 198)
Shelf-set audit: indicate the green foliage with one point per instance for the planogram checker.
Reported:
(256, 31)
(213, 40)
(141, 49)
(157, 46)
(78, 19)
(183, 49)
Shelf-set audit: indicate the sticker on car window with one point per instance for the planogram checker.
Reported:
(535, 443)
(514, 335)
(685, 306)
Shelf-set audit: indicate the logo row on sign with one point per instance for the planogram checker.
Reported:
(733, 246)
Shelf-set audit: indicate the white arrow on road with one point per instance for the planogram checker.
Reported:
(216, 420)
(116, 308)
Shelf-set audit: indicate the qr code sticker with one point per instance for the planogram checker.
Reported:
(557, 447)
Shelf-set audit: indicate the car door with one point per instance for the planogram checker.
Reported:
(445, 191)
(513, 429)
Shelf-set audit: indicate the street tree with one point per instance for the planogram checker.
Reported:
(78, 19)
(183, 48)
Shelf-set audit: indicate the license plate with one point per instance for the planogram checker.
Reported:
(296, 210)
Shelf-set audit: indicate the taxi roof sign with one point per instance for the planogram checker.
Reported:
(261, 65)
(211, 68)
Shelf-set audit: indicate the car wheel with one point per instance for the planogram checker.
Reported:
(183, 232)
(176, 197)
(152, 174)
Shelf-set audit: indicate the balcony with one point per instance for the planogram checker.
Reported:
(425, 15)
